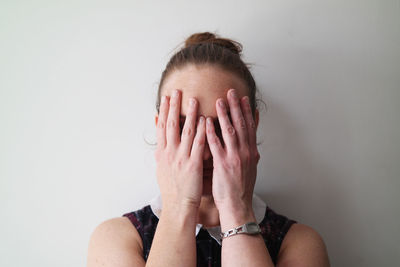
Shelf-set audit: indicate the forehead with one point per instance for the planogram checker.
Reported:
(206, 83)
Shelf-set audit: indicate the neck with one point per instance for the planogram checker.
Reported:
(208, 214)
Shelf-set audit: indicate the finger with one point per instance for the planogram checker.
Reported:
(162, 119)
(214, 143)
(251, 125)
(199, 140)
(173, 119)
(237, 117)
(228, 131)
(189, 127)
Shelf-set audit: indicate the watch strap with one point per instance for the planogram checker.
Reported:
(250, 228)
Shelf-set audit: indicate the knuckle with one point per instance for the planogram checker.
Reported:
(214, 140)
(161, 124)
(230, 130)
(252, 124)
(236, 160)
(179, 163)
(199, 141)
(164, 106)
(171, 124)
(173, 103)
(187, 131)
(241, 123)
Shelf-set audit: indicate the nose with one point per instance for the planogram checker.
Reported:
(207, 152)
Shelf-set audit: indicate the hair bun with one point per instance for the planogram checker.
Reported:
(208, 37)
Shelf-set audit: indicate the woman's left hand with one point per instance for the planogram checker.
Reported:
(235, 163)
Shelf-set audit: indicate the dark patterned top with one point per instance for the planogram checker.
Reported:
(273, 229)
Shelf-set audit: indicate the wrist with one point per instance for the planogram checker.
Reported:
(179, 216)
(180, 210)
(180, 205)
(235, 207)
(231, 218)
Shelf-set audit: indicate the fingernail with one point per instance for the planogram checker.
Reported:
(201, 119)
(233, 93)
(246, 100)
(192, 101)
(209, 121)
(176, 93)
(221, 103)
(163, 99)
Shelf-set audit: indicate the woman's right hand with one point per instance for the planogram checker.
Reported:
(180, 158)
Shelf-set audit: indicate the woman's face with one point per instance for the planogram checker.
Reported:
(206, 83)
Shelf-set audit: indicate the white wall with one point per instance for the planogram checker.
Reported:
(78, 82)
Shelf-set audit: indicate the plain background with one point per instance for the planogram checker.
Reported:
(78, 83)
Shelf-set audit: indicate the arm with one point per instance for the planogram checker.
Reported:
(302, 246)
(116, 243)
(242, 249)
(235, 171)
(174, 242)
(179, 175)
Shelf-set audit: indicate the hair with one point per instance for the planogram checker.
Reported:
(208, 48)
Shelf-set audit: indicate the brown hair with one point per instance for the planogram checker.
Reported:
(207, 48)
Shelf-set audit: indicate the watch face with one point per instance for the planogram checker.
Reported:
(253, 228)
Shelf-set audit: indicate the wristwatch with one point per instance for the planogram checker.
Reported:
(250, 228)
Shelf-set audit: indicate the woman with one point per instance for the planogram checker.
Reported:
(206, 169)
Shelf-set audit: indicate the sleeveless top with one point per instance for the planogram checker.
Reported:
(273, 230)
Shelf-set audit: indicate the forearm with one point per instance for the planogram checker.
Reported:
(174, 242)
(242, 249)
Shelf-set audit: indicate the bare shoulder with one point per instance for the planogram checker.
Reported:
(115, 242)
(302, 246)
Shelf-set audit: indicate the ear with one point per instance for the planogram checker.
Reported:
(256, 117)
